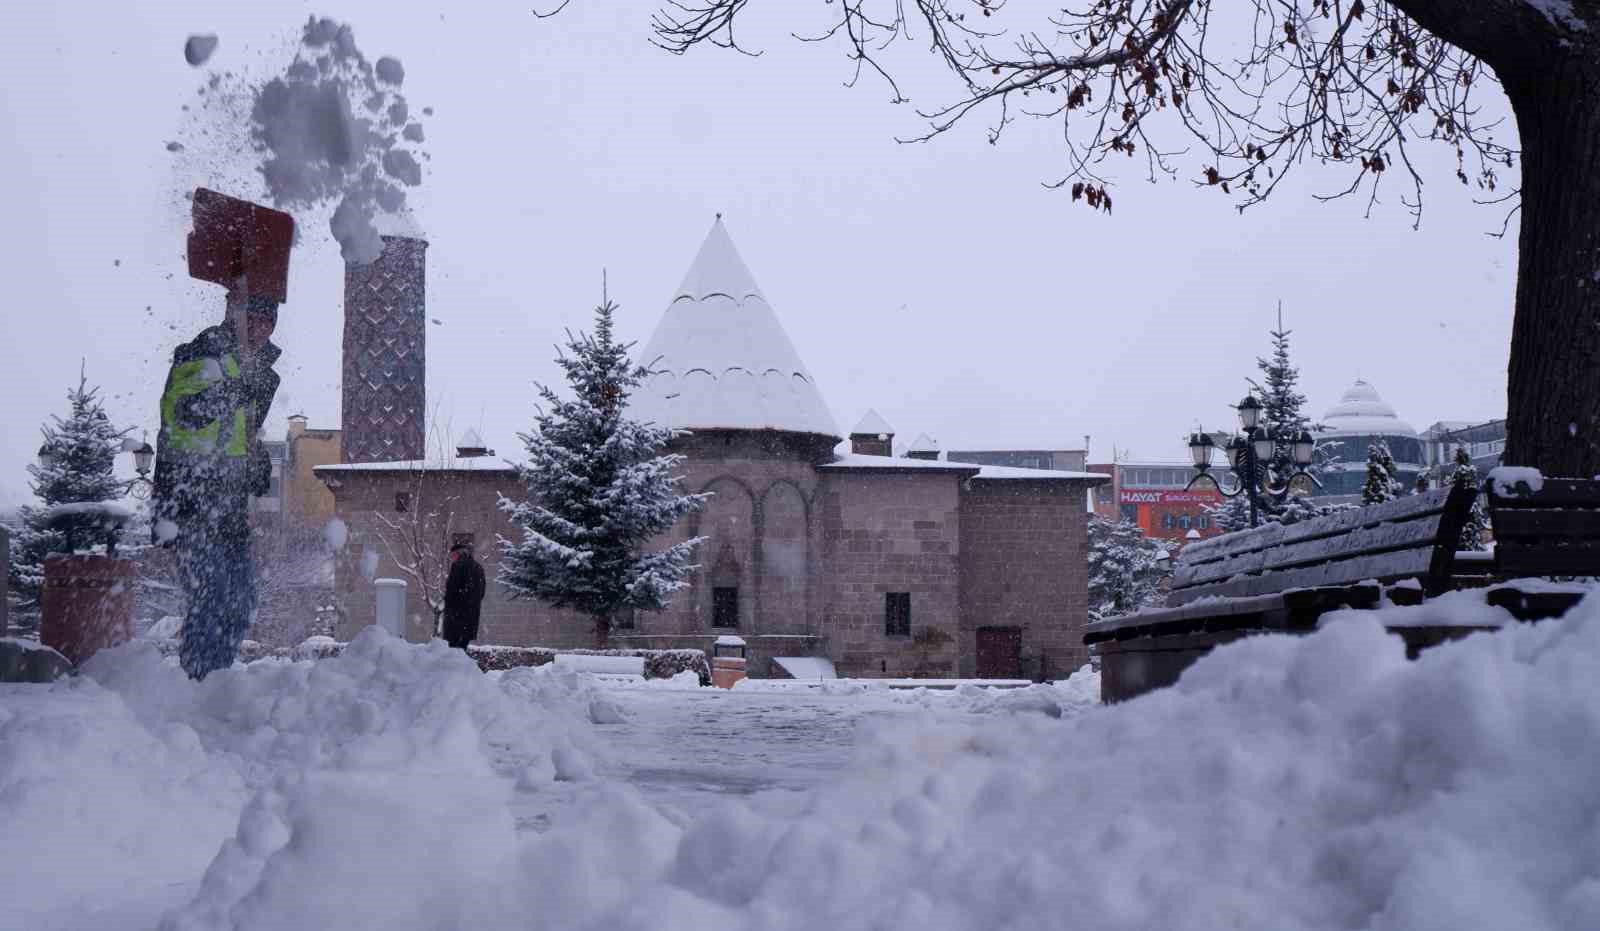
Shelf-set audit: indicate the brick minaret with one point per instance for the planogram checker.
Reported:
(385, 337)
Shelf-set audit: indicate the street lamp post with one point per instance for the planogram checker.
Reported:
(1246, 452)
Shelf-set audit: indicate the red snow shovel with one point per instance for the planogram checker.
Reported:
(235, 239)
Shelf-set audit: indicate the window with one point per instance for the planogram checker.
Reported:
(725, 606)
(623, 619)
(1183, 522)
(402, 501)
(897, 614)
(1205, 523)
(1167, 523)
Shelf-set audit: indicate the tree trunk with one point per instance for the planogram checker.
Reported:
(602, 632)
(1553, 384)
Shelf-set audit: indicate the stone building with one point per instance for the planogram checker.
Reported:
(884, 566)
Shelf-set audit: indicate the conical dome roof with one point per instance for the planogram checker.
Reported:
(1361, 412)
(722, 359)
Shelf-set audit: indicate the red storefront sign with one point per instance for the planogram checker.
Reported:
(1168, 497)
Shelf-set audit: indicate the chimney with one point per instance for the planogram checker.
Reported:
(872, 436)
(385, 334)
(470, 446)
(923, 447)
(297, 427)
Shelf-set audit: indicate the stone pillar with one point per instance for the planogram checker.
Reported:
(87, 604)
(385, 337)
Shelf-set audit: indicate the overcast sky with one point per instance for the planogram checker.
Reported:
(938, 283)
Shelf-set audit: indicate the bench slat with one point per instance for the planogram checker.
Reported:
(1513, 560)
(1384, 567)
(1545, 524)
(1229, 544)
(1554, 492)
(1363, 541)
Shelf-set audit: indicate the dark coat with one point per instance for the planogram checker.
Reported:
(463, 595)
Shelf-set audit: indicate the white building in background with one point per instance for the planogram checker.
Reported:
(1360, 418)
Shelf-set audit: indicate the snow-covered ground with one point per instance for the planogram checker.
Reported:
(1287, 783)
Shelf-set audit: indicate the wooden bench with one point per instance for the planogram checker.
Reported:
(1282, 578)
(1542, 528)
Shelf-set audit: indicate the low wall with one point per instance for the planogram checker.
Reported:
(658, 664)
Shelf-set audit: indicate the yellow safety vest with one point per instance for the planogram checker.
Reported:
(197, 377)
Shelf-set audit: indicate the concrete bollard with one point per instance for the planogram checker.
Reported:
(391, 599)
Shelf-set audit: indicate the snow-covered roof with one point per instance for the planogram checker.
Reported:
(469, 464)
(1361, 412)
(722, 360)
(872, 424)
(807, 667)
(859, 462)
(924, 444)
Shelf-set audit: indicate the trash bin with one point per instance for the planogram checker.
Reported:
(727, 661)
(86, 604)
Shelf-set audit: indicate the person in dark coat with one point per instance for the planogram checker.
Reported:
(208, 465)
(463, 596)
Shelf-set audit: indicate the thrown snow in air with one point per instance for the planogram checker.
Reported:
(197, 49)
(327, 131)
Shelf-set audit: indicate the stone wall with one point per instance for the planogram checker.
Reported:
(883, 532)
(1024, 565)
(448, 504)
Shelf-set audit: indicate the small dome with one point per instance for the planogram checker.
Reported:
(1361, 412)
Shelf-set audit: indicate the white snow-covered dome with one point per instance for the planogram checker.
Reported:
(1361, 412)
(722, 359)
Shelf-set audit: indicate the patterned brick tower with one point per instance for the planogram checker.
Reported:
(385, 337)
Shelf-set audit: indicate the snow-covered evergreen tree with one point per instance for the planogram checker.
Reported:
(1281, 404)
(600, 489)
(1463, 474)
(1126, 568)
(1383, 476)
(82, 449)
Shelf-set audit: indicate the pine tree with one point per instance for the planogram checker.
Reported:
(1465, 475)
(82, 449)
(1126, 568)
(1383, 476)
(1280, 403)
(599, 490)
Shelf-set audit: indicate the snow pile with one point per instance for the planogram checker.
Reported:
(123, 784)
(1286, 783)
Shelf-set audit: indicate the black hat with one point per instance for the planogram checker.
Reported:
(460, 546)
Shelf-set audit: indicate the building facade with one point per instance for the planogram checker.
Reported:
(1359, 419)
(884, 566)
(1155, 496)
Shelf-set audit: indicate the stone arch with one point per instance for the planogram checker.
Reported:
(728, 521)
(783, 568)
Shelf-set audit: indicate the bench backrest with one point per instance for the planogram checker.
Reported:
(1410, 537)
(1554, 530)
